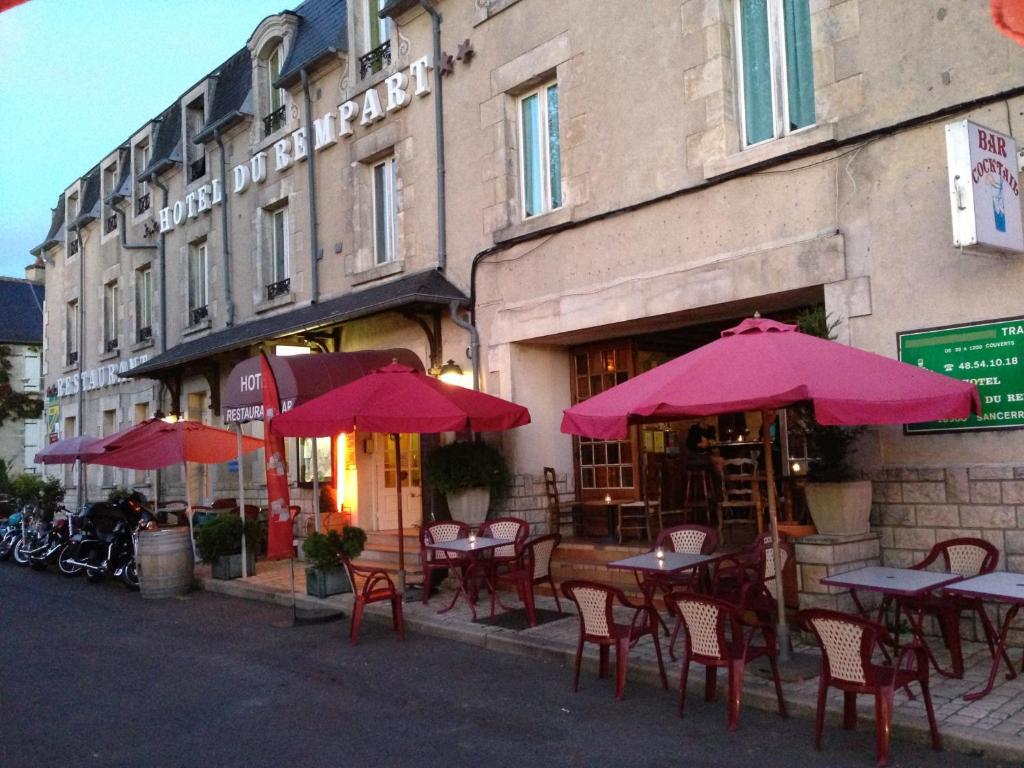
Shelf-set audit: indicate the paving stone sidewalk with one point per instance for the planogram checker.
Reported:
(993, 725)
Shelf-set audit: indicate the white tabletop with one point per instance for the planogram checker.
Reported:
(1000, 585)
(482, 544)
(673, 561)
(895, 581)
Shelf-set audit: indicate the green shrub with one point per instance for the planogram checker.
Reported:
(223, 537)
(47, 492)
(322, 550)
(458, 466)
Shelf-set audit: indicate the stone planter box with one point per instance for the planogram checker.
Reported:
(840, 509)
(469, 506)
(326, 583)
(230, 566)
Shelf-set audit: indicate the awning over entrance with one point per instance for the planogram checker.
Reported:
(422, 289)
(301, 378)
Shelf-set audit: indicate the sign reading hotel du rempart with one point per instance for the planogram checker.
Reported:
(370, 108)
(984, 188)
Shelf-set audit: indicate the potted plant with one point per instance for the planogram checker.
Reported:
(839, 503)
(220, 544)
(468, 474)
(326, 576)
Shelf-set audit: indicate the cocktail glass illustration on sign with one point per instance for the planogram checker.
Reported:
(998, 204)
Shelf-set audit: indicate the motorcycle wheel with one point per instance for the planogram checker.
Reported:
(94, 576)
(67, 568)
(130, 576)
(5, 549)
(19, 553)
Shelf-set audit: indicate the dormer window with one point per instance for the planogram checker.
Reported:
(72, 214)
(109, 184)
(195, 119)
(140, 159)
(273, 97)
(378, 40)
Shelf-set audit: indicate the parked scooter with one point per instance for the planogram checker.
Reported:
(42, 542)
(10, 534)
(106, 541)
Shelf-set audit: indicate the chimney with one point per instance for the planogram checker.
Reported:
(35, 272)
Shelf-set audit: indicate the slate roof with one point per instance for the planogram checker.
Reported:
(394, 7)
(322, 32)
(55, 235)
(167, 144)
(123, 187)
(90, 207)
(21, 311)
(421, 288)
(231, 99)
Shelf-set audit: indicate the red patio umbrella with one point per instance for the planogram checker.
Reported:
(155, 444)
(764, 365)
(70, 449)
(397, 399)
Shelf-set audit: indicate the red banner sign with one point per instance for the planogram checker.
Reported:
(279, 523)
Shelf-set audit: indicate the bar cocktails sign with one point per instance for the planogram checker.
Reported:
(984, 188)
(989, 355)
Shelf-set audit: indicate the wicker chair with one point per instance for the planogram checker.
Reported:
(708, 643)
(511, 529)
(437, 559)
(965, 557)
(531, 568)
(370, 585)
(597, 625)
(847, 645)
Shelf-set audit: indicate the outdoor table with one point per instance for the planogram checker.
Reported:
(648, 564)
(473, 550)
(610, 509)
(895, 583)
(1001, 587)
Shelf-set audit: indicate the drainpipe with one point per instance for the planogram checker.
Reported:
(161, 255)
(474, 341)
(122, 227)
(442, 234)
(83, 477)
(229, 302)
(314, 262)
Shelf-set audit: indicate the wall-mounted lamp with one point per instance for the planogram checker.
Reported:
(169, 418)
(451, 373)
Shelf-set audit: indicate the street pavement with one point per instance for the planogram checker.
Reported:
(92, 675)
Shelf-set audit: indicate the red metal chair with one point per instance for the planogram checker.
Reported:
(708, 643)
(594, 602)
(437, 559)
(847, 645)
(511, 529)
(370, 585)
(749, 581)
(965, 557)
(531, 568)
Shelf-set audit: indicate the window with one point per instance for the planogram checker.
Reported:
(378, 40)
(33, 370)
(385, 211)
(109, 187)
(195, 118)
(72, 235)
(324, 459)
(197, 283)
(71, 332)
(603, 465)
(540, 160)
(273, 97)
(279, 245)
(776, 70)
(111, 313)
(140, 158)
(144, 303)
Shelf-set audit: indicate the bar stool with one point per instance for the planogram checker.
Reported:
(697, 492)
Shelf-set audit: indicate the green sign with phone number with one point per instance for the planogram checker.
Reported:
(990, 354)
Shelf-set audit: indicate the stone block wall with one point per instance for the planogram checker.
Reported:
(526, 498)
(820, 556)
(913, 508)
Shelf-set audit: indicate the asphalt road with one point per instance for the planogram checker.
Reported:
(92, 675)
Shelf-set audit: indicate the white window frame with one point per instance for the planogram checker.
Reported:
(113, 171)
(144, 298)
(383, 25)
(199, 247)
(71, 320)
(541, 92)
(777, 70)
(278, 51)
(390, 202)
(276, 276)
(111, 306)
(140, 157)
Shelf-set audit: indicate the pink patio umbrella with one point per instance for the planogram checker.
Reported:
(765, 365)
(398, 399)
(70, 449)
(155, 444)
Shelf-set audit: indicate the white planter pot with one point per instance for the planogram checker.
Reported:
(840, 509)
(469, 506)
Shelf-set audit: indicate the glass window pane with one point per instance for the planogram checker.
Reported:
(627, 477)
(588, 477)
(531, 157)
(799, 65)
(280, 271)
(601, 477)
(757, 77)
(380, 214)
(554, 148)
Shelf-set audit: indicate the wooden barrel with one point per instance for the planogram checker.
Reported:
(164, 561)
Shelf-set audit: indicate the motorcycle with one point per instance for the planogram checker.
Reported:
(10, 534)
(41, 543)
(106, 541)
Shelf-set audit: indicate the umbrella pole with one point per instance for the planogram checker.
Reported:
(781, 628)
(241, 498)
(316, 489)
(401, 526)
(189, 512)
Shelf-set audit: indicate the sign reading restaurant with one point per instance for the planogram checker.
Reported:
(399, 89)
(989, 354)
(97, 378)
